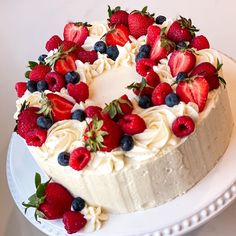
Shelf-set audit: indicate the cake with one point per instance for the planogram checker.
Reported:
(125, 114)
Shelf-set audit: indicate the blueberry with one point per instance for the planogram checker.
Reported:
(79, 115)
(126, 143)
(63, 158)
(78, 204)
(172, 99)
(42, 58)
(144, 102)
(141, 55)
(181, 45)
(181, 76)
(42, 86)
(160, 20)
(44, 122)
(145, 48)
(31, 86)
(72, 77)
(112, 52)
(100, 46)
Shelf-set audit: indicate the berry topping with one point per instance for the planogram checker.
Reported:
(145, 101)
(118, 35)
(31, 86)
(76, 32)
(55, 81)
(183, 126)
(112, 52)
(65, 64)
(139, 21)
(126, 143)
(117, 16)
(71, 46)
(39, 72)
(44, 122)
(152, 79)
(200, 42)
(63, 158)
(54, 42)
(172, 99)
(160, 92)
(181, 61)
(141, 55)
(160, 20)
(145, 48)
(79, 158)
(132, 124)
(182, 45)
(100, 46)
(20, 88)
(144, 66)
(195, 90)
(92, 111)
(181, 76)
(78, 115)
(78, 204)
(88, 56)
(36, 137)
(80, 91)
(73, 221)
(42, 85)
(41, 58)
(72, 77)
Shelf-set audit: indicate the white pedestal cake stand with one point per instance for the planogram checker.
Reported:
(183, 214)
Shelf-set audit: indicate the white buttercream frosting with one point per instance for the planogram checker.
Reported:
(207, 55)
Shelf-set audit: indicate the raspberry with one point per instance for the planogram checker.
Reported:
(54, 42)
(132, 124)
(144, 66)
(55, 81)
(88, 56)
(80, 91)
(152, 79)
(160, 92)
(200, 42)
(145, 91)
(183, 126)
(20, 88)
(36, 137)
(79, 158)
(92, 111)
(39, 72)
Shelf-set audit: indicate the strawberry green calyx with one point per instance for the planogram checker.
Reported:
(187, 23)
(31, 65)
(140, 86)
(143, 12)
(112, 11)
(86, 24)
(165, 42)
(94, 135)
(38, 198)
(46, 108)
(218, 68)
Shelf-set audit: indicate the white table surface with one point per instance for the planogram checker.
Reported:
(26, 25)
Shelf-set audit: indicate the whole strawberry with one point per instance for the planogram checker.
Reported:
(51, 200)
(117, 16)
(139, 21)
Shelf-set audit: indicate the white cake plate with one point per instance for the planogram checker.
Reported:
(181, 215)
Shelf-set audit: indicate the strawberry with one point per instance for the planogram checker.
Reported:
(36, 137)
(55, 81)
(160, 92)
(65, 64)
(181, 61)
(181, 30)
(141, 88)
(67, 45)
(73, 221)
(152, 79)
(119, 107)
(51, 200)
(80, 91)
(195, 90)
(92, 111)
(79, 158)
(87, 56)
(139, 21)
(132, 124)
(200, 42)
(39, 72)
(103, 134)
(144, 66)
(76, 32)
(117, 16)
(183, 126)
(213, 82)
(54, 42)
(20, 88)
(118, 35)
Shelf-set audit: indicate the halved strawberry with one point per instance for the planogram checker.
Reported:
(76, 32)
(181, 61)
(119, 35)
(65, 64)
(195, 90)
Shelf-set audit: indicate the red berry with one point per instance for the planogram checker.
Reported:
(118, 17)
(66, 45)
(125, 104)
(20, 88)
(54, 42)
(92, 111)
(213, 82)
(79, 158)
(160, 92)
(183, 126)
(88, 56)
(73, 221)
(51, 212)
(39, 72)
(66, 64)
(80, 91)
(132, 124)
(200, 42)
(144, 66)
(145, 91)
(152, 79)
(55, 81)
(36, 137)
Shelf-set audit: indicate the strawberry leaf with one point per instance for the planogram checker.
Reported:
(27, 74)
(32, 64)
(37, 180)
(222, 81)
(219, 65)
